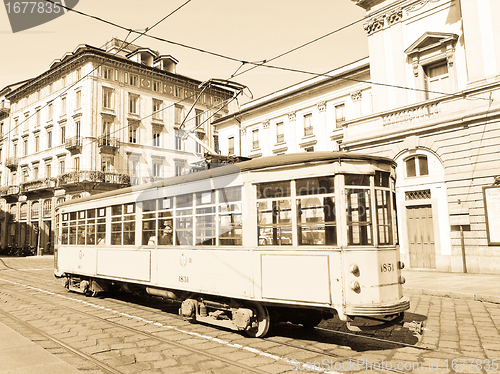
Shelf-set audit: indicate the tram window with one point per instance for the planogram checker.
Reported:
(149, 232)
(315, 186)
(184, 201)
(123, 224)
(273, 190)
(101, 230)
(382, 179)
(116, 233)
(229, 194)
(80, 234)
(205, 229)
(149, 222)
(274, 222)
(149, 206)
(384, 218)
(64, 235)
(184, 231)
(204, 198)
(165, 231)
(359, 226)
(129, 231)
(357, 180)
(72, 228)
(230, 231)
(101, 212)
(316, 221)
(116, 210)
(90, 232)
(165, 203)
(90, 213)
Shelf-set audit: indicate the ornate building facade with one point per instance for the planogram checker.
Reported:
(427, 97)
(96, 120)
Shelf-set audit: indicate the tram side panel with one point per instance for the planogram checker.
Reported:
(76, 260)
(215, 271)
(299, 277)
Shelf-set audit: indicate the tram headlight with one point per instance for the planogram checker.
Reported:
(356, 287)
(402, 280)
(401, 265)
(354, 270)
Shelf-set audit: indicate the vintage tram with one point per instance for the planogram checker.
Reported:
(286, 238)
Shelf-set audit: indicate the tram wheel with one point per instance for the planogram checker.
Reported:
(262, 322)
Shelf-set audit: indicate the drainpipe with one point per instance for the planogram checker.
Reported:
(462, 242)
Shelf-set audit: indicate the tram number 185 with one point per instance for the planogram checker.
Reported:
(183, 279)
(386, 268)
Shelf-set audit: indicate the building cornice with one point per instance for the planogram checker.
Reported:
(342, 73)
(89, 53)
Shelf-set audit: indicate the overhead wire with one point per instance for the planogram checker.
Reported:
(263, 63)
(99, 65)
(120, 49)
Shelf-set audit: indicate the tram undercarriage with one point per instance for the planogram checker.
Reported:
(251, 317)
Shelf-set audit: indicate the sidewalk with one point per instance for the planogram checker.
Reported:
(19, 355)
(480, 287)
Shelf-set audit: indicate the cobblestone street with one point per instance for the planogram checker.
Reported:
(460, 335)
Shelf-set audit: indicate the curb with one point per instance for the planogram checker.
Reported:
(453, 295)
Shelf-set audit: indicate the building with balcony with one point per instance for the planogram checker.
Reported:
(98, 119)
(428, 98)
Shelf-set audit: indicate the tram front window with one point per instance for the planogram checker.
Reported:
(316, 214)
(316, 221)
(359, 225)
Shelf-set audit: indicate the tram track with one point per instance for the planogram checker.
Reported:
(152, 310)
(244, 367)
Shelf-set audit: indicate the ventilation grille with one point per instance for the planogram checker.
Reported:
(418, 195)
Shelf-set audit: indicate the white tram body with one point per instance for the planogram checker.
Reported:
(244, 245)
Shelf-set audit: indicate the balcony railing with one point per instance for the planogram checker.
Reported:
(308, 131)
(9, 191)
(92, 176)
(108, 144)
(12, 162)
(280, 138)
(74, 144)
(38, 185)
(417, 112)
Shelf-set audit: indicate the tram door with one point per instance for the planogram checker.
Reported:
(421, 236)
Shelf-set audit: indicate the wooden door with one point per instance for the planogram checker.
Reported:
(421, 237)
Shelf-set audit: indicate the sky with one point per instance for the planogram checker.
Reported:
(254, 30)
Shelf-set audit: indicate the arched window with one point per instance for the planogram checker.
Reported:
(13, 212)
(416, 166)
(35, 210)
(24, 211)
(60, 200)
(47, 208)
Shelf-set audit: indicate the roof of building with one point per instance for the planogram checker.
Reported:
(332, 75)
(83, 49)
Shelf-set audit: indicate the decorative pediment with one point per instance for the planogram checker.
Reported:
(430, 40)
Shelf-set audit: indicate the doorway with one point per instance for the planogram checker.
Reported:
(421, 236)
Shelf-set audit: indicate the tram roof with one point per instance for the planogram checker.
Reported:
(251, 165)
